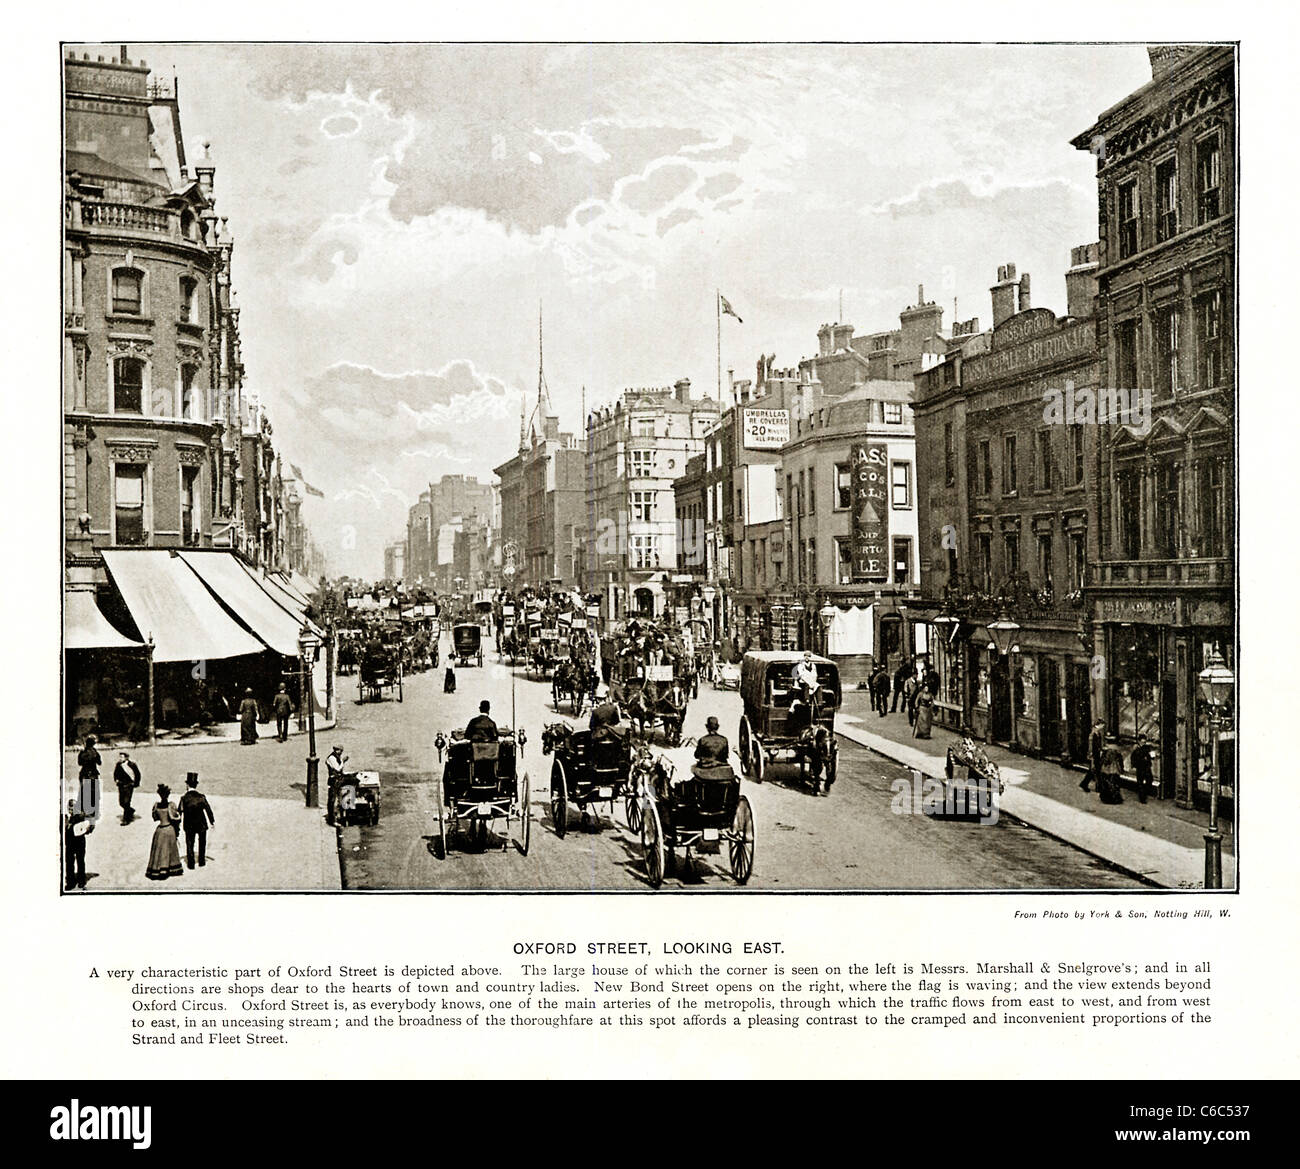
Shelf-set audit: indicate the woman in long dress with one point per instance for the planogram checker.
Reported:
(248, 718)
(924, 714)
(164, 853)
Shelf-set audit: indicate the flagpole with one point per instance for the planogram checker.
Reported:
(717, 312)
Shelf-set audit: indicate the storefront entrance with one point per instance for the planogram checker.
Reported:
(1049, 707)
(1078, 710)
(1000, 699)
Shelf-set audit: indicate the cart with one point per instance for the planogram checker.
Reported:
(778, 726)
(480, 785)
(467, 643)
(380, 670)
(358, 799)
(585, 772)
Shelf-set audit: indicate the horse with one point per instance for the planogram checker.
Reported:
(570, 679)
(671, 710)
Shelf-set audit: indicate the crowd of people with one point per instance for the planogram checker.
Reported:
(914, 685)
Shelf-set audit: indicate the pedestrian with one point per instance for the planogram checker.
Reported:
(1112, 766)
(932, 681)
(924, 715)
(882, 690)
(164, 855)
(1096, 741)
(76, 826)
(911, 688)
(127, 777)
(248, 719)
(282, 704)
(449, 680)
(901, 676)
(88, 762)
(196, 815)
(1141, 761)
(334, 774)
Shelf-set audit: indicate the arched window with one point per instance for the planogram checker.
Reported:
(128, 284)
(128, 386)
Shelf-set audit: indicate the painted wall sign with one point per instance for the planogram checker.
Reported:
(869, 527)
(765, 430)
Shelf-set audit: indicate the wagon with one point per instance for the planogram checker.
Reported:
(467, 643)
(585, 772)
(480, 785)
(779, 727)
(699, 812)
(380, 669)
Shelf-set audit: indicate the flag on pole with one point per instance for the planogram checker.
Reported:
(726, 308)
(316, 491)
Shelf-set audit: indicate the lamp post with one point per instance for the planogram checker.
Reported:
(1215, 683)
(1003, 631)
(308, 647)
(827, 614)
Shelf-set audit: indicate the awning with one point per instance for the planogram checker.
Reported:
(169, 602)
(85, 627)
(240, 592)
(302, 585)
(274, 585)
(282, 579)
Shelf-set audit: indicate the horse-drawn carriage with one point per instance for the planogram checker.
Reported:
(586, 772)
(543, 651)
(575, 680)
(479, 785)
(701, 811)
(467, 643)
(380, 669)
(781, 726)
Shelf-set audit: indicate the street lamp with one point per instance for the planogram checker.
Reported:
(308, 648)
(827, 614)
(1003, 631)
(1216, 682)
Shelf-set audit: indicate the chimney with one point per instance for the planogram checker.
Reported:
(1081, 281)
(1024, 291)
(1004, 294)
(841, 337)
(1166, 59)
(919, 322)
(825, 341)
(682, 389)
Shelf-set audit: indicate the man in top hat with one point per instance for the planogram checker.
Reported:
(282, 705)
(605, 717)
(75, 827)
(481, 728)
(127, 777)
(1141, 760)
(196, 815)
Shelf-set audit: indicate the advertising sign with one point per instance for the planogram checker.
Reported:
(765, 430)
(869, 531)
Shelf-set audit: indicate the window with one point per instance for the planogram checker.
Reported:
(645, 551)
(986, 467)
(1166, 350)
(1168, 510)
(801, 560)
(900, 484)
(643, 506)
(949, 457)
(792, 503)
(1078, 460)
(1043, 459)
(1209, 339)
(812, 560)
(189, 505)
(189, 302)
(1045, 559)
(894, 412)
(1130, 513)
(843, 487)
(1009, 479)
(902, 560)
(1208, 204)
(1128, 218)
(1078, 560)
(642, 464)
(127, 284)
(1211, 506)
(128, 504)
(189, 398)
(812, 490)
(984, 561)
(1011, 552)
(843, 560)
(1126, 361)
(128, 386)
(645, 428)
(1166, 199)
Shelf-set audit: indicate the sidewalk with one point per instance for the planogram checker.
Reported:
(1157, 840)
(199, 735)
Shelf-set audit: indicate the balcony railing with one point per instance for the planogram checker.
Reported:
(1201, 570)
(131, 217)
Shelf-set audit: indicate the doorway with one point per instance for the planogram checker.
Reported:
(1000, 699)
(1078, 710)
(1168, 738)
(1049, 706)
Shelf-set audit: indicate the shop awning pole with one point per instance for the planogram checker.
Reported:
(152, 726)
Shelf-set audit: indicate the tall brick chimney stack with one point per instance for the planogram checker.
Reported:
(682, 388)
(1024, 291)
(1004, 294)
(1081, 281)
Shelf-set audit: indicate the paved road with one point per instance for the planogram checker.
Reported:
(851, 840)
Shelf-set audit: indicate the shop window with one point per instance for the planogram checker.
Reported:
(128, 287)
(129, 482)
(128, 385)
(843, 487)
(1128, 218)
(1208, 202)
(1166, 199)
(1135, 682)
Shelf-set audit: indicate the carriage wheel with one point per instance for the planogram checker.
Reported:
(759, 762)
(652, 841)
(742, 742)
(480, 659)
(525, 821)
(559, 799)
(632, 802)
(742, 842)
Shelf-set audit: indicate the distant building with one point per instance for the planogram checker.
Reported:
(636, 448)
(395, 561)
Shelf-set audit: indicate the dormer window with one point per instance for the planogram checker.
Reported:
(127, 287)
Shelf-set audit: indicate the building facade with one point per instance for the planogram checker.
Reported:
(636, 449)
(1162, 596)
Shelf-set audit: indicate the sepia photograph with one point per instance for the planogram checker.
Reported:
(651, 468)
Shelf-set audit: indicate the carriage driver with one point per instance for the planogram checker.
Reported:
(712, 749)
(805, 678)
(481, 728)
(604, 717)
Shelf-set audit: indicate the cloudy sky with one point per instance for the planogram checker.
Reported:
(399, 211)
